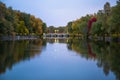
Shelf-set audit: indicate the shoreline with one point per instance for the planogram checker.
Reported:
(12, 38)
(5, 38)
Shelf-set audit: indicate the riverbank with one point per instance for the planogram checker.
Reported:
(18, 37)
(98, 38)
(106, 38)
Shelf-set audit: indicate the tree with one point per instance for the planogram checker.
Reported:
(22, 30)
(83, 27)
(115, 18)
(51, 29)
(44, 26)
(69, 27)
(97, 28)
(107, 8)
(13, 21)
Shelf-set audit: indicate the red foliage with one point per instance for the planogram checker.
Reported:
(90, 23)
(90, 51)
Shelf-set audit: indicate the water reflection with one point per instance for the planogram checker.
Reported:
(12, 52)
(106, 54)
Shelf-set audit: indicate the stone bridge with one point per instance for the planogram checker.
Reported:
(56, 35)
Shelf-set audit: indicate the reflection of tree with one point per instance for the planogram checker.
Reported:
(107, 54)
(101, 50)
(114, 59)
(69, 44)
(81, 47)
(109, 57)
(12, 52)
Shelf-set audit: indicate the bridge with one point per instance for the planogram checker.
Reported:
(56, 35)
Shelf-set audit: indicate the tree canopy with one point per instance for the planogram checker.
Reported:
(107, 23)
(14, 22)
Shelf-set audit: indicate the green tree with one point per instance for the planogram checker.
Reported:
(97, 28)
(69, 27)
(22, 30)
(44, 26)
(115, 18)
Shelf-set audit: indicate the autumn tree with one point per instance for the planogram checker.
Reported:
(19, 23)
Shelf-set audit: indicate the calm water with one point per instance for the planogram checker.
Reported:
(59, 59)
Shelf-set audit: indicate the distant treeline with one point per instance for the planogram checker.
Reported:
(14, 22)
(107, 24)
(52, 29)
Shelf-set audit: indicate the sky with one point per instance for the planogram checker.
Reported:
(58, 12)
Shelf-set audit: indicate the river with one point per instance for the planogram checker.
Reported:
(59, 59)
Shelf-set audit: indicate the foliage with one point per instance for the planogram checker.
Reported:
(69, 27)
(20, 23)
(79, 26)
(108, 22)
(52, 29)
(115, 18)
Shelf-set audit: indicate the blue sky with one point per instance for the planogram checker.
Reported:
(58, 12)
